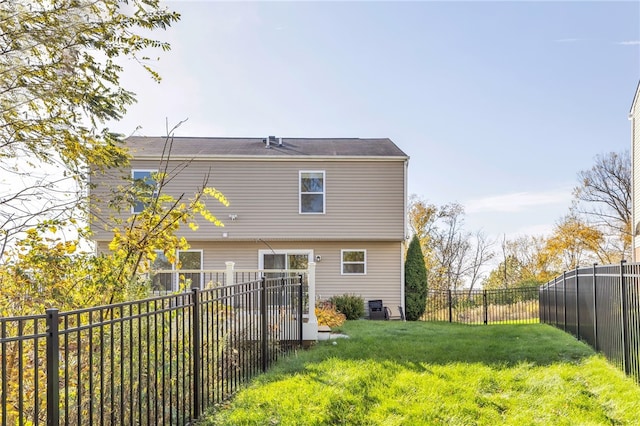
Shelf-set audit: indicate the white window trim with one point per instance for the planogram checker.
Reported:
(261, 254)
(201, 264)
(324, 191)
(173, 278)
(133, 171)
(342, 262)
(191, 251)
(175, 272)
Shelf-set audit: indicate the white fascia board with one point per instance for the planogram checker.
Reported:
(264, 158)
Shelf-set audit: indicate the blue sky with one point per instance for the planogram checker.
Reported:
(498, 104)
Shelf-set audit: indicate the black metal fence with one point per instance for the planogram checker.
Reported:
(509, 306)
(601, 306)
(157, 361)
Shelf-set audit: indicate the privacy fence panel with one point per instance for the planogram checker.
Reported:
(158, 361)
(600, 305)
(483, 306)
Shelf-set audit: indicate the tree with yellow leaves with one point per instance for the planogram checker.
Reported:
(44, 270)
(60, 67)
(454, 258)
(572, 243)
(524, 264)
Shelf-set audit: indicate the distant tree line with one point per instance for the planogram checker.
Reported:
(596, 229)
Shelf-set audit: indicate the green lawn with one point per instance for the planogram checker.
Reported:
(414, 373)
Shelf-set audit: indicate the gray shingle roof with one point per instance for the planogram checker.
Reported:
(193, 147)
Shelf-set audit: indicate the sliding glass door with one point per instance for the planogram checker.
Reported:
(284, 259)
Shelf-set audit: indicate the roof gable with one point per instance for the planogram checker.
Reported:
(193, 147)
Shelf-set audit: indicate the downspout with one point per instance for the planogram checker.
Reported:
(404, 235)
(633, 185)
(634, 114)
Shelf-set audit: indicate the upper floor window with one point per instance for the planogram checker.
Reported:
(354, 262)
(145, 183)
(312, 192)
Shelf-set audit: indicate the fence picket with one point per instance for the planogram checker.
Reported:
(161, 360)
(520, 305)
(612, 305)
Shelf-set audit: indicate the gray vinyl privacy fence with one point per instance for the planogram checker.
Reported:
(601, 306)
(158, 361)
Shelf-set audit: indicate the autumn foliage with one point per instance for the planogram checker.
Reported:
(327, 314)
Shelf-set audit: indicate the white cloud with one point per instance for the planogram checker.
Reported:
(629, 43)
(517, 201)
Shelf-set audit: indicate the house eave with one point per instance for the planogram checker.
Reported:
(278, 239)
(296, 158)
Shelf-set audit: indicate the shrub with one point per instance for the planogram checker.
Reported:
(327, 314)
(415, 281)
(350, 305)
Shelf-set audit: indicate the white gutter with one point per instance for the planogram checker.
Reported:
(297, 158)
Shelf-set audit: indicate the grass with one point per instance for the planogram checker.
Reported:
(404, 373)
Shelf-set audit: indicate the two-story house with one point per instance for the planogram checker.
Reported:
(340, 203)
(634, 117)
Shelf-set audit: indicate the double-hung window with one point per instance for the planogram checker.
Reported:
(144, 183)
(161, 281)
(190, 260)
(354, 262)
(168, 277)
(312, 191)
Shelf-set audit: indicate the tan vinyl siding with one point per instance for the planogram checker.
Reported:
(104, 190)
(365, 200)
(382, 280)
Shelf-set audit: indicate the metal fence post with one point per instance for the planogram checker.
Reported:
(625, 321)
(52, 362)
(540, 305)
(577, 306)
(300, 307)
(555, 299)
(450, 307)
(564, 300)
(486, 308)
(263, 313)
(547, 303)
(195, 348)
(595, 310)
(549, 299)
